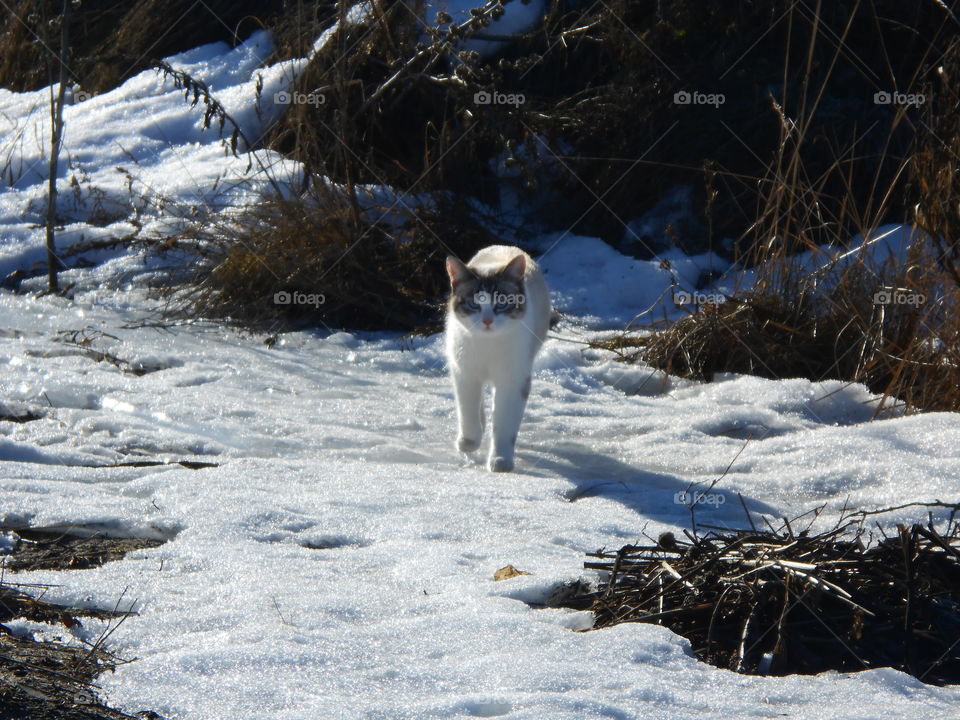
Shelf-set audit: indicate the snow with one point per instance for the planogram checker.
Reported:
(519, 16)
(140, 152)
(338, 559)
(8, 542)
(603, 288)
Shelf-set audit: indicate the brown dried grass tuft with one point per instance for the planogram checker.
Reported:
(362, 273)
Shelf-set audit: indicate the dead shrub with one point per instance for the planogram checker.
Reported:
(319, 260)
(778, 601)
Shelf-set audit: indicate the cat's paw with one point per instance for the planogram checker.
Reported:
(500, 464)
(467, 445)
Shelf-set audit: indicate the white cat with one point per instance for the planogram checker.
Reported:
(497, 319)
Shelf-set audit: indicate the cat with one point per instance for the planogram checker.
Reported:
(497, 319)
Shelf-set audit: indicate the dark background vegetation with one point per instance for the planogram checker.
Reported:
(799, 156)
(113, 41)
(599, 81)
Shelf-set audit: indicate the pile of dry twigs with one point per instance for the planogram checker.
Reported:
(45, 679)
(772, 601)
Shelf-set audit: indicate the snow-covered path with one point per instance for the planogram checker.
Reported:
(339, 562)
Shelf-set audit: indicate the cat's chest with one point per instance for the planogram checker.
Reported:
(498, 350)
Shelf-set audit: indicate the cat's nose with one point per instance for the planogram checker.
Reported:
(488, 321)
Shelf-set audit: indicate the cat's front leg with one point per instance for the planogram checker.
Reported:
(509, 401)
(469, 394)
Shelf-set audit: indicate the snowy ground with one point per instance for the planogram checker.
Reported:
(338, 563)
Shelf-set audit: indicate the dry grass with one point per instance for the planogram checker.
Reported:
(362, 274)
(317, 252)
(397, 106)
(808, 316)
(844, 336)
(113, 41)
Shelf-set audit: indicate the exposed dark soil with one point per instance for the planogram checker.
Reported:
(23, 417)
(44, 549)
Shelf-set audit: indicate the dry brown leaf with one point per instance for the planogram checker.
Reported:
(505, 573)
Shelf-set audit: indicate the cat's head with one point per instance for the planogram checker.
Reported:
(487, 301)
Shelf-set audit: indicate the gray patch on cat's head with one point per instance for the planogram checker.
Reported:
(471, 288)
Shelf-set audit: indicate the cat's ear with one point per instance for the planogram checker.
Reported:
(515, 268)
(456, 270)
